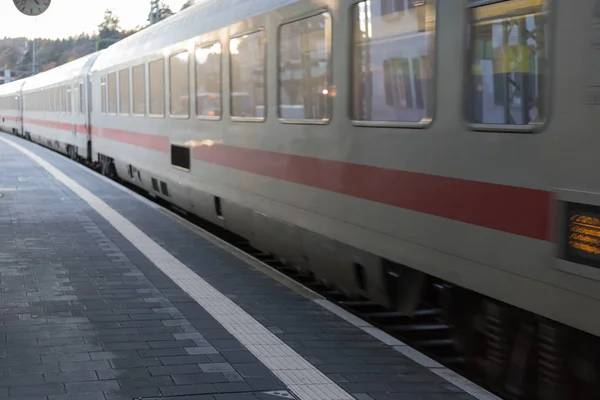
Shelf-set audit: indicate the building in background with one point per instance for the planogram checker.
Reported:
(6, 76)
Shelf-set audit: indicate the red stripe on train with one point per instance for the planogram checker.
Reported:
(63, 126)
(521, 211)
(152, 142)
(511, 209)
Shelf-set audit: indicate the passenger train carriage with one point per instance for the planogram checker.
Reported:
(386, 146)
(11, 119)
(55, 112)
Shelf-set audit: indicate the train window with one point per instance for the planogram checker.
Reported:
(81, 97)
(124, 91)
(208, 81)
(139, 90)
(66, 107)
(304, 69)
(179, 81)
(76, 110)
(157, 88)
(248, 89)
(393, 52)
(90, 97)
(509, 62)
(112, 93)
(103, 93)
(69, 99)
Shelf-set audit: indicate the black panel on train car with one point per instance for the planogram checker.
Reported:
(581, 238)
(180, 156)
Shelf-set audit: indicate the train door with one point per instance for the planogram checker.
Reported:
(88, 112)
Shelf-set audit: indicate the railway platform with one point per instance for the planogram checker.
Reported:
(106, 295)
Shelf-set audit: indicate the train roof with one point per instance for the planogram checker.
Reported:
(203, 17)
(61, 74)
(13, 87)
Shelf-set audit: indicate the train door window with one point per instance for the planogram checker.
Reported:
(89, 95)
(179, 85)
(139, 90)
(76, 109)
(208, 81)
(157, 88)
(124, 91)
(305, 68)
(112, 93)
(69, 99)
(393, 62)
(65, 99)
(248, 89)
(81, 97)
(103, 93)
(509, 63)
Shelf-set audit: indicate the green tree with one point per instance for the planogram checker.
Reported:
(109, 30)
(158, 11)
(188, 4)
(9, 58)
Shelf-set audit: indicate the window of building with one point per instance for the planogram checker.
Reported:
(393, 61)
(248, 89)
(124, 92)
(509, 63)
(179, 80)
(208, 81)
(139, 90)
(304, 68)
(393, 6)
(157, 87)
(112, 93)
(103, 93)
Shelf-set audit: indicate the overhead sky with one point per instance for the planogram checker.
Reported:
(67, 18)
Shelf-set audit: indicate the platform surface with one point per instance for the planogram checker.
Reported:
(106, 296)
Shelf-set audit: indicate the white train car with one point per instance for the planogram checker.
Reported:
(345, 159)
(11, 120)
(436, 141)
(55, 108)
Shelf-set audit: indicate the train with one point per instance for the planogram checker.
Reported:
(401, 151)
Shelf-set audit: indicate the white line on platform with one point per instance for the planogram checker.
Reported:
(473, 389)
(300, 376)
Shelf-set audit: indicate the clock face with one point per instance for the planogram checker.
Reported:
(32, 7)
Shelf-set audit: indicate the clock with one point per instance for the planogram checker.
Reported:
(32, 7)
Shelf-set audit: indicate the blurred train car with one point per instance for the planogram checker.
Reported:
(11, 117)
(55, 108)
(438, 147)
